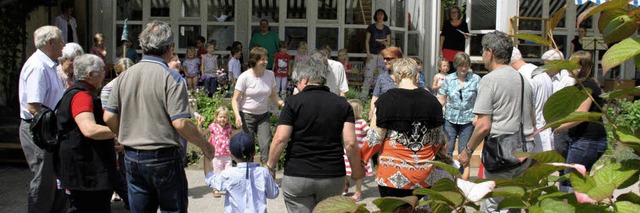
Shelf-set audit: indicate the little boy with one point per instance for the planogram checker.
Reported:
(235, 68)
(248, 185)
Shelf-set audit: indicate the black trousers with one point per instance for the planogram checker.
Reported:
(92, 201)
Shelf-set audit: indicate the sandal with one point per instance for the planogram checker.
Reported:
(216, 194)
(356, 197)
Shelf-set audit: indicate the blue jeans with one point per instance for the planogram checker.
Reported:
(156, 178)
(462, 131)
(583, 151)
(211, 84)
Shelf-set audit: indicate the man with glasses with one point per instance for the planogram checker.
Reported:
(499, 110)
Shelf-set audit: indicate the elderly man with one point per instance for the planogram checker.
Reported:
(91, 181)
(336, 78)
(542, 88)
(504, 107)
(314, 168)
(149, 109)
(39, 86)
(265, 39)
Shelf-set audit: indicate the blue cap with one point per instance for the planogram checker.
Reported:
(242, 146)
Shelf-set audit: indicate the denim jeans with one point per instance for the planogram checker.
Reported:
(156, 178)
(462, 131)
(583, 151)
(211, 84)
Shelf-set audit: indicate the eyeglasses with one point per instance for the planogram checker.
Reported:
(388, 58)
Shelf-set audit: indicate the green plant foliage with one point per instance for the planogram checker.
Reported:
(563, 103)
(620, 52)
(620, 28)
(533, 38)
(208, 105)
(561, 65)
(607, 16)
(338, 204)
(576, 116)
(452, 170)
(390, 204)
(615, 4)
(555, 19)
(507, 192)
(618, 93)
(543, 157)
(626, 206)
(551, 205)
(581, 183)
(631, 197)
(617, 173)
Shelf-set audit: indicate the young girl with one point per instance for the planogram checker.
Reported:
(248, 185)
(343, 57)
(98, 49)
(361, 133)
(191, 66)
(220, 132)
(438, 79)
(209, 67)
(302, 53)
(282, 65)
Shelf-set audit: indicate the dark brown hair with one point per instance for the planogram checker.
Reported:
(376, 14)
(256, 55)
(586, 65)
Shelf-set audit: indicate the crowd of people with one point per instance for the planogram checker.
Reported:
(131, 137)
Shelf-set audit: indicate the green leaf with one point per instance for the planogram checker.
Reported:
(608, 15)
(615, 174)
(576, 116)
(563, 103)
(444, 184)
(452, 170)
(438, 206)
(620, 28)
(556, 195)
(389, 204)
(455, 197)
(533, 175)
(336, 204)
(589, 208)
(533, 38)
(512, 203)
(620, 52)
(550, 205)
(581, 183)
(625, 135)
(596, 9)
(629, 196)
(617, 93)
(561, 65)
(636, 60)
(507, 192)
(434, 195)
(630, 182)
(626, 206)
(602, 191)
(543, 157)
(553, 20)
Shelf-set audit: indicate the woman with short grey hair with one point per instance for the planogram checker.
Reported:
(85, 136)
(65, 67)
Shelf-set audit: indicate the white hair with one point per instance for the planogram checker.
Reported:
(85, 64)
(552, 55)
(515, 55)
(70, 51)
(45, 34)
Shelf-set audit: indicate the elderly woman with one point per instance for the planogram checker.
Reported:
(65, 70)
(87, 163)
(405, 135)
(250, 102)
(385, 81)
(314, 164)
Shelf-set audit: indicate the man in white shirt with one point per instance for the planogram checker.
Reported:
(39, 86)
(542, 89)
(337, 82)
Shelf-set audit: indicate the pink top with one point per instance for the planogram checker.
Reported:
(220, 138)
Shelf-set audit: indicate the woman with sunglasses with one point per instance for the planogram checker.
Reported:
(458, 95)
(453, 34)
(385, 80)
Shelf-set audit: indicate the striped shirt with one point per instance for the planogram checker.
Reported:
(361, 134)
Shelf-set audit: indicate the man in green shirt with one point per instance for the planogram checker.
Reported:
(266, 39)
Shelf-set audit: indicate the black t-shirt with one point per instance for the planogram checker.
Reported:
(452, 38)
(590, 130)
(576, 44)
(398, 109)
(317, 117)
(376, 34)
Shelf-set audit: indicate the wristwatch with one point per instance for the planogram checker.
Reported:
(468, 150)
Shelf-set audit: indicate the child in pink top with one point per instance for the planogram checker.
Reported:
(281, 67)
(220, 130)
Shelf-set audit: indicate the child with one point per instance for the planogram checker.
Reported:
(98, 49)
(191, 67)
(282, 65)
(361, 133)
(438, 79)
(200, 44)
(209, 67)
(343, 57)
(220, 132)
(421, 79)
(247, 185)
(302, 53)
(235, 66)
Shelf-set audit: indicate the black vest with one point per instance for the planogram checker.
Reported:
(84, 164)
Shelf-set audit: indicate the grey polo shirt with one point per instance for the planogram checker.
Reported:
(148, 97)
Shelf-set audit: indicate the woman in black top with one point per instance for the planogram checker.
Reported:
(589, 139)
(575, 43)
(378, 37)
(453, 35)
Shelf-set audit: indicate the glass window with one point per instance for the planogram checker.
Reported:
(129, 9)
(397, 39)
(357, 12)
(413, 47)
(475, 45)
(530, 49)
(413, 14)
(296, 9)
(530, 8)
(483, 10)
(222, 34)
(264, 9)
(588, 23)
(133, 30)
(327, 9)
(188, 35)
(397, 13)
(221, 11)
(160, 8)
(327, 36)
(561, 41)
(293, 36)
(190, 8)
(554, 6)
(354, 40)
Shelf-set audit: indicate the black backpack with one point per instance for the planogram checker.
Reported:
(44, 129)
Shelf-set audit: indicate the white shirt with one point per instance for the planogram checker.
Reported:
(255, 91)
(235, 67)
(562, 80)
(244, 194)
(39, 83)
(61, 22)
(542, 89)
(337, 82)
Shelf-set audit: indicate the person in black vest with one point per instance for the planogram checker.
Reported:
(87, 165)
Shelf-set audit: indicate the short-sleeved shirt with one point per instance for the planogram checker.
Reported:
(193, 66)
(255, 91)
(82, 101)
(283, 60)
(383, 84)
(209, 65)
(376, 35)
(460, 100)
(337, 81)
(562, 80)
(106, 92)
(453, 39)
(235, 67)
(590, 130)
(220, 138)
(148, 97)
(317, 117)
(39, 83)
(499, 95)
(268, 41)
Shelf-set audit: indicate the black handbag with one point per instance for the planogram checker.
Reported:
(498, 152)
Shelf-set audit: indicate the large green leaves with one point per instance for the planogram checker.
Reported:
(543, 157)
(618, 93)
(620, 52)
(596, 9)
(626, 206)
(562, 65)
(607, 16)
(616, 173)
(563, 103)
(619, 28)
(339, 204)
(452, 170)
(534, 38)
(575, 116)
(390, 204)
(553, 20)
